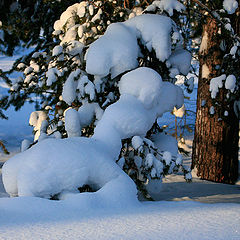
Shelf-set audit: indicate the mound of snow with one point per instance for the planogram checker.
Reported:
(57, 166)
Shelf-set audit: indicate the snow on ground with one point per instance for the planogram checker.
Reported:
(35, 218)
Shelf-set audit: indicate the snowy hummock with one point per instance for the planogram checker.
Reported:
(68, 168)
(55, 166)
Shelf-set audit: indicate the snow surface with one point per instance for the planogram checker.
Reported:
(35, 218)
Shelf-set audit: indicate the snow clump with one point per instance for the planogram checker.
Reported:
(215, 84)
(145, 84)
(36, 119)
(230, 6)
(230, 83)
(72, 123)
(118, 48)
(166, 5)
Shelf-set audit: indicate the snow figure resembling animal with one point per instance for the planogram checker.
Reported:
(57, 166)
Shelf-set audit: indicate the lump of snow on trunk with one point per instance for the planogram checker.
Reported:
(215, 84)
(212, 110)
(143, 83)
(72, 123)
(205, 71)
(230, 6)
(204, 43)
(230, 83)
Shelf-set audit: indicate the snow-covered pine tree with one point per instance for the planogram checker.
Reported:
(79, 78)
(215, 149)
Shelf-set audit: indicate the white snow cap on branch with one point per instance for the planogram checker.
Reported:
(230, 6)
(52, 75)
(72, 123)
(117, 50)
(181, 60)
(167, 5)
(144, 83)
(36, 119)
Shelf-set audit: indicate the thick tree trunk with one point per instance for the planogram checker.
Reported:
(215, 147)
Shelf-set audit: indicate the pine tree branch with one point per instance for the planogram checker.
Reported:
(3, 148)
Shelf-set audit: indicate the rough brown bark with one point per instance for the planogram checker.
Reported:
(215, 147)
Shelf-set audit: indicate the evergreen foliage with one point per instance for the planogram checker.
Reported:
(58, 64)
